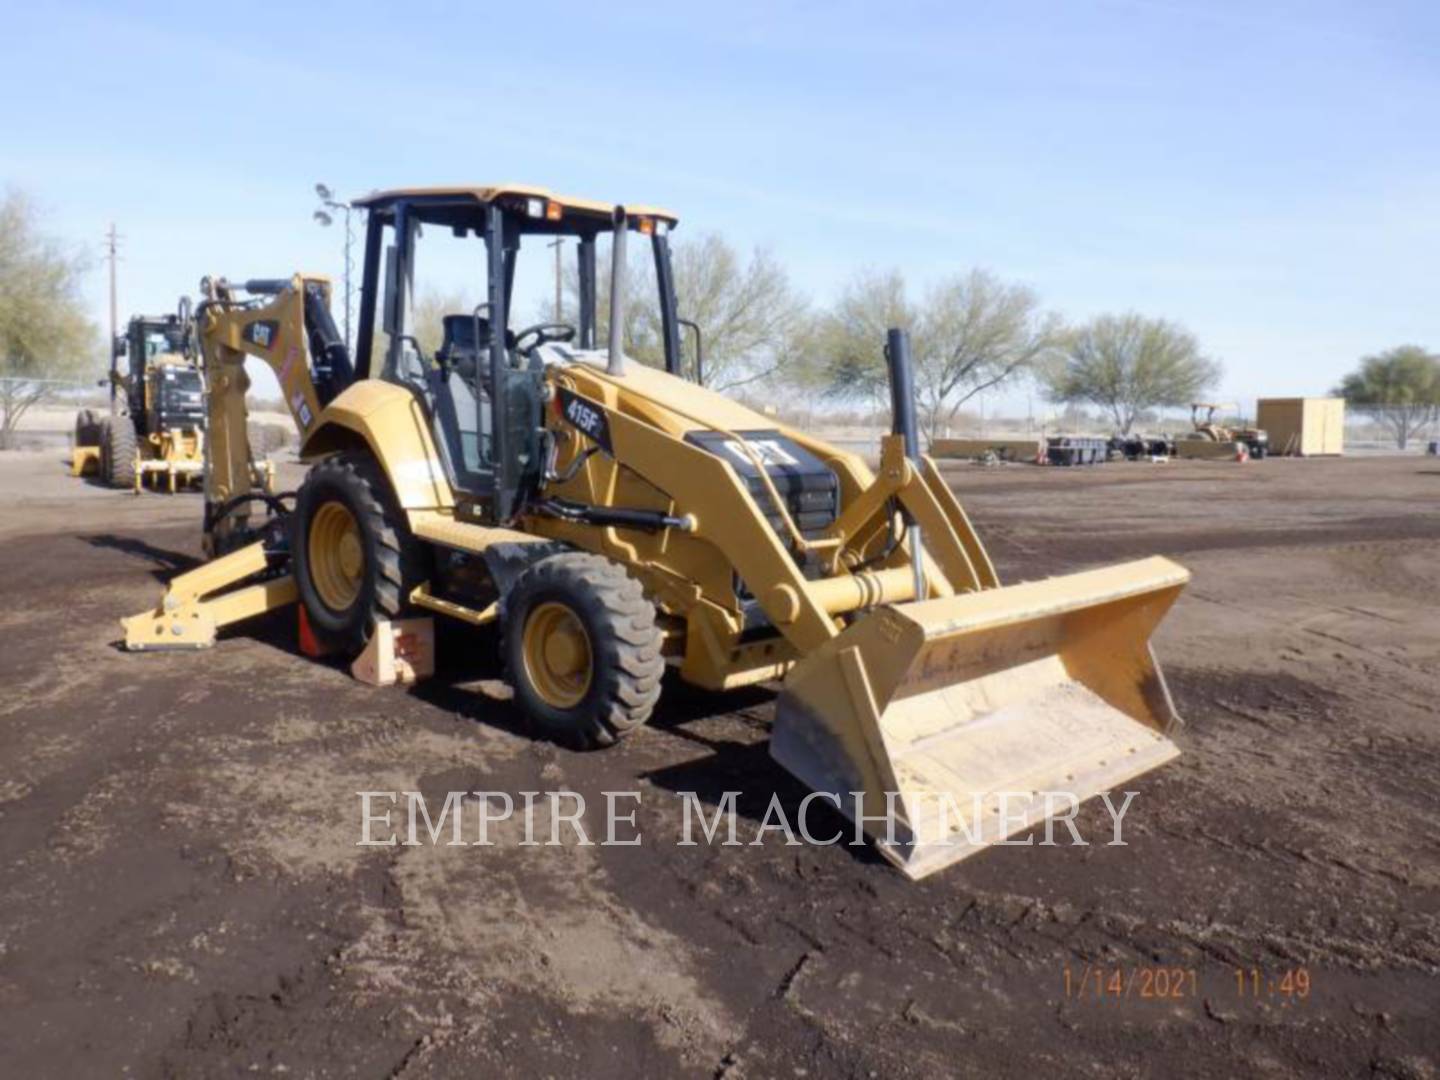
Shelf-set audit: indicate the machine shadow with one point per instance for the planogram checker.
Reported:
(467, 655)
(166, 562)
(464, 656)
(468, 682)
(747, 772)
(742, 766)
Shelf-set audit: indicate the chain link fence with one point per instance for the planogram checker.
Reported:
(37, 413)
(1374, 429)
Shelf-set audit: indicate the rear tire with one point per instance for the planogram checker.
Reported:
(87, 428)
(355, 560)
(582, 649)
(119, 452)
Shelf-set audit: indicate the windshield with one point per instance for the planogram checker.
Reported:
(556, 270)
(161, 340)
(156, 343)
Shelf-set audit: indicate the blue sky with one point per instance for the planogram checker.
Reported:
(1266, 173)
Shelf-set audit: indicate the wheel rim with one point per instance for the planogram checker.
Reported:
(337, 555)
(558, 660)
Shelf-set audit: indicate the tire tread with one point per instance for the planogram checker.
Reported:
(630, 671)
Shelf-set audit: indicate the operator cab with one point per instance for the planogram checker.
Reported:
(162, 387)
(477, 366)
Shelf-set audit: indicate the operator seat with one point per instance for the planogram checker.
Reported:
(463, 421)
(460, 353)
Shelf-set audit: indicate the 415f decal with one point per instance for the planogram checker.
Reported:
(587, 416)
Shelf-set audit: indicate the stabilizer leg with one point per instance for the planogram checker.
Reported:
(185, 619)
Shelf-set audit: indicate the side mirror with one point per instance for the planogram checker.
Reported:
(121, 347)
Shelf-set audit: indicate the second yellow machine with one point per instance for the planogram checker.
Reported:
(155, 429)
(615, 518)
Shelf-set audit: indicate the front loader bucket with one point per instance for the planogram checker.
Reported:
(966, 719)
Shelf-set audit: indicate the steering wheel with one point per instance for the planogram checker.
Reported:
(544, 333)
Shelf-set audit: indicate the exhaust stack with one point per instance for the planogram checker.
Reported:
(616, 363)
(902, 423)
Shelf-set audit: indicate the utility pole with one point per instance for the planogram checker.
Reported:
(112, 247)
(557, 244)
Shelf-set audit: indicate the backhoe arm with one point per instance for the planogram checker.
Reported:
(287, 324)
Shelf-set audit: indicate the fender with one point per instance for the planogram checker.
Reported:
(391, 423)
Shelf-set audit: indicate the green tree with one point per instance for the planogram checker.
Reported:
(1127, 364)
(968, 333)
(1400, 388)
(45, 336)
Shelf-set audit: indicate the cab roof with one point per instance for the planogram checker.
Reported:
(523, 191)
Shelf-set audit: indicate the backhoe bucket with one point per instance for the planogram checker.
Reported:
(967, 719)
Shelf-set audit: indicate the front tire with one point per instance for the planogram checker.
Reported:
(355, 560)
(582, 649)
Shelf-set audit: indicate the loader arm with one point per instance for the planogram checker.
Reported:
(960, 715)
(648, 439)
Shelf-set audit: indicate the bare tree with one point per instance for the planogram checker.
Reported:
(1399, 388)
(45, 337)
(1127, 364)
(748, 312)
(843, 352)
(969, 333)
(978, 332)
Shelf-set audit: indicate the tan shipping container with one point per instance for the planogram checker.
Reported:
(1305, 427)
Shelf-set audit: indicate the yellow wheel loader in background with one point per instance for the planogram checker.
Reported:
(615, 519)
(155, 429)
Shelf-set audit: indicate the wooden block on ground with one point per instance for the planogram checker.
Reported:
(402, 651)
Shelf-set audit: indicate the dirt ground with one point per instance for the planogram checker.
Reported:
(181, 892)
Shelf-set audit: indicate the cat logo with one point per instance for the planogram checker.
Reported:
(769, 451)
(302, 411)
(262, 334)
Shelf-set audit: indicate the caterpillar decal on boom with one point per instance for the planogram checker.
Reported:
(615, 518)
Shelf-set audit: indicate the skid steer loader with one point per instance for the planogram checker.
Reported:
(613, 517)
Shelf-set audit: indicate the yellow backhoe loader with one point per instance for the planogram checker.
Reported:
(614, 518)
